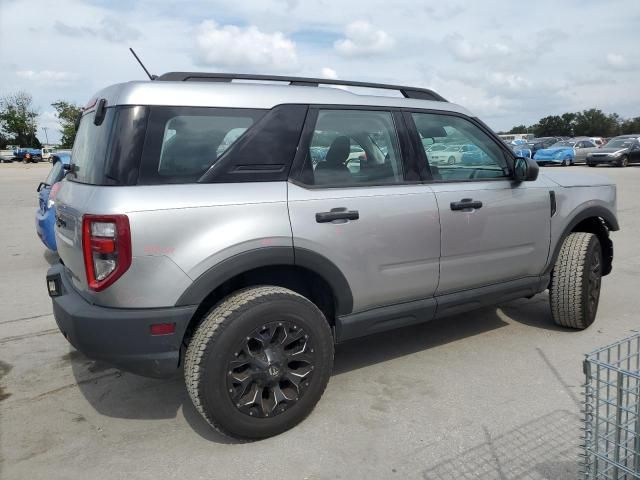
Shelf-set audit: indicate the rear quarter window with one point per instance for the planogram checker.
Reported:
(182, 143)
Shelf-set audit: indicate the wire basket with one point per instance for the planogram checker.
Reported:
(612, 411)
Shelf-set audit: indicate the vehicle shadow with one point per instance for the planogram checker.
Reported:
(123, 395)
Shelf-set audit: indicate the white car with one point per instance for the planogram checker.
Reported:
(450, 155)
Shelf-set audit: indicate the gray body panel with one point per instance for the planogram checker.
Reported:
(508, 238)
(389, 255)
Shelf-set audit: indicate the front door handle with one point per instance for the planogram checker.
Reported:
(466, 204)
(337, 214)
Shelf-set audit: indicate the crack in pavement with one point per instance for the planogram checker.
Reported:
(16, 338)
(26, 318)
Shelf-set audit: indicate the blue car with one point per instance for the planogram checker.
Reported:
(47, 190)
(560, 153)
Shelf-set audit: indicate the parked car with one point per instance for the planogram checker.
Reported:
(7, 156)
(560, 153)
(28, 155)
(583, 147)
(536, 144)
(47, 192)
(244, 269)
(619, 151)
(450, 155)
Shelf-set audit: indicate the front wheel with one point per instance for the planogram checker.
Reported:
(451, 160)
(564, 163)
(624, 162)
(574, 291)
(259, 362)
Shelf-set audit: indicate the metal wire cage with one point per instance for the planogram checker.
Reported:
(612, 411)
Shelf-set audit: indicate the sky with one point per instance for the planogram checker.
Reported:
(509, 62)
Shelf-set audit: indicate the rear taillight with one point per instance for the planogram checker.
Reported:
(106, 244)
(53, 193)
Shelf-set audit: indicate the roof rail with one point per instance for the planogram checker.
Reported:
(407, 92)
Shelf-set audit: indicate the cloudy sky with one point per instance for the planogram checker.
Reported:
(509, 62)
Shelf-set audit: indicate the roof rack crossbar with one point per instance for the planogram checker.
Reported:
(407, 92)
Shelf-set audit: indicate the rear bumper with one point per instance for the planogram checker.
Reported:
(117, 336)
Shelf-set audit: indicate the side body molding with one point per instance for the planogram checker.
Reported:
(265, 257)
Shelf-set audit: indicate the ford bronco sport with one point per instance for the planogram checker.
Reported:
(197, 232)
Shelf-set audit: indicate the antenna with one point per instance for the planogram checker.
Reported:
(151, 77)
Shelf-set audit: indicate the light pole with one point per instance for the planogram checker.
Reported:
(45, 134)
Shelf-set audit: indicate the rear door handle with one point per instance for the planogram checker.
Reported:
(466, 204)
(337, 214)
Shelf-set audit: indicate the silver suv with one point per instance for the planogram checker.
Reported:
(237, 230)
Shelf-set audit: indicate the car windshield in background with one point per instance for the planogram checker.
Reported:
(620, 143)
(564, 143)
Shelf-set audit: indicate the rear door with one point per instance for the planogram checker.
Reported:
(355, 202)
(493, 229)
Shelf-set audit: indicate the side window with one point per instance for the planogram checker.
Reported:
(456, 149)
(351, 147)
(192, 143)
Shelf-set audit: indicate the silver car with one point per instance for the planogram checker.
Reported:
(197, 232)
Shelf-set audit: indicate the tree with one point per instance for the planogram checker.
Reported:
(594, 122)
(18, 120)
(519, 129)
(67, 114)
(549, 126)
(630, 126)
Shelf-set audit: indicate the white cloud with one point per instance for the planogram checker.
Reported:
(232, 46)
(618, 62)
(48, 77)
(466, 51)
(362, 38)
(328, 72)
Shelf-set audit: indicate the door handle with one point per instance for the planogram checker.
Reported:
(337, 214)
(466, 204)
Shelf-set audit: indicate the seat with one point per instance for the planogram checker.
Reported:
(333, 170)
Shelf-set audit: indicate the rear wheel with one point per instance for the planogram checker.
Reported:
(451, 160)
(574, 292)
(564, 163)
(259, 362)
(624, 162)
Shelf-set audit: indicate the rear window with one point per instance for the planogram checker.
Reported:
(90, 148)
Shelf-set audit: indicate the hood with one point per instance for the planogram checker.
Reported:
(573, 179)
(610, 150)
(549, 152)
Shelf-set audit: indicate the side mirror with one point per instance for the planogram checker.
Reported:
(41, 186)
(525, 169)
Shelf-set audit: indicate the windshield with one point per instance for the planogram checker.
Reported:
(453, 148)
(564, 143)
(620, 143)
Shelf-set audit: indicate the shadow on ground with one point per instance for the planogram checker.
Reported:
(122, 395)
(544, 448)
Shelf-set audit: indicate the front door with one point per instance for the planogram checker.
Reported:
(352, 204)
(492, 229)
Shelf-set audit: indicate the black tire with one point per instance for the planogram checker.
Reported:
(451, 160)
(624, 162)
(574, 291)
(222, 347)
(564, 163)
(591, 164)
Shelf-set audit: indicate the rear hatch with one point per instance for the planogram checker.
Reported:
(104, 154)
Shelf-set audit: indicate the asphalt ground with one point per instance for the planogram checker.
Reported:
(493, 394)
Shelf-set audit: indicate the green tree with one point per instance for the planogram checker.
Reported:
(629, 126)
(18, 120)
(594, 122)
(67, 114)
(519, 129)
(549, 126)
